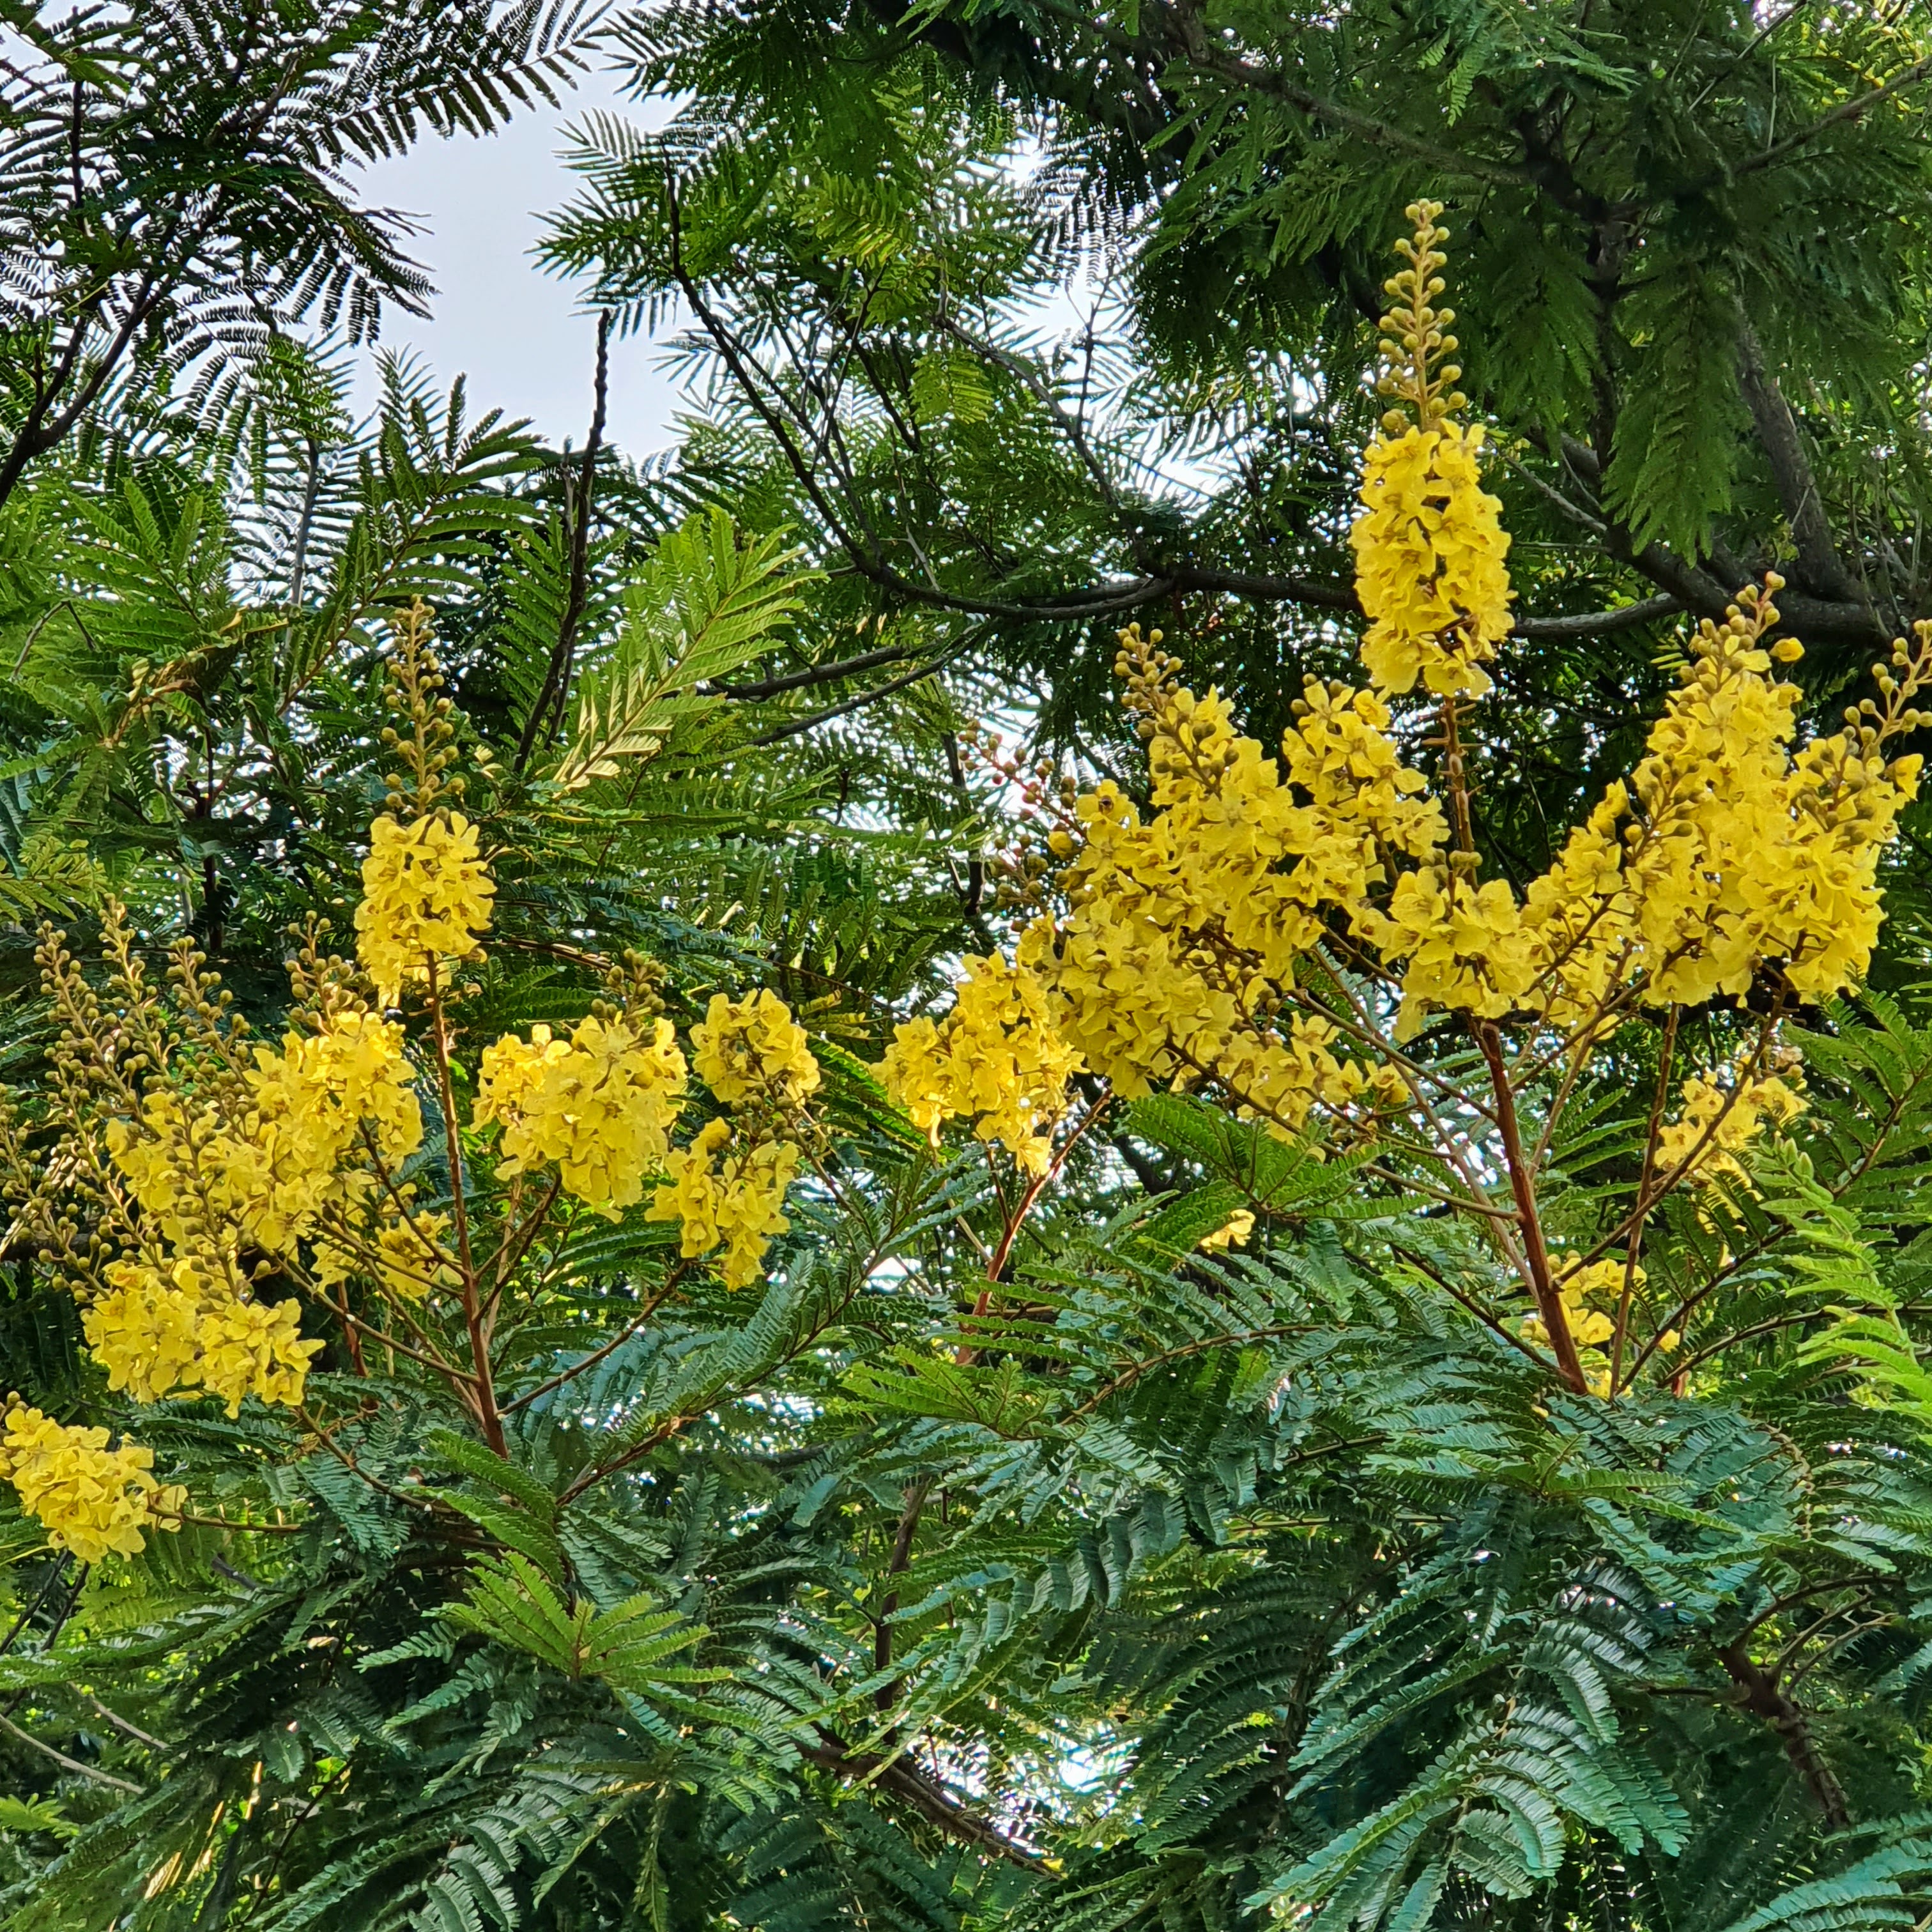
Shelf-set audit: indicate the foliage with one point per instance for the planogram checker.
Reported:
(174, 179)
(837, 1321)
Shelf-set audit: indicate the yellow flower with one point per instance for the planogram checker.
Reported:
(157, 1333)
(254, 1348)
(601, 1108)
(998, 1061)
(1180, 937)
(1718, 1123)
(411, 1258)
(1465, 945)
(1590, 1294)
(91, 1499)
(212, 1183)
(917, 1076)
(1430, 568)
(750, 1050)
(144, 1331)
(1233, 1233)
(1723, 851)
(738, 1202)
(426, 894)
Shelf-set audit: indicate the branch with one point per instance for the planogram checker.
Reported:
(1187, 35)
(912, 1503)
(798, 680)
(847, 705)
(1599, 623)
(903, 1780)
(66, 1763)
(1777, 434)
(554, 693)
(1759, 1693)
(1848, 110)
(1548, 1300)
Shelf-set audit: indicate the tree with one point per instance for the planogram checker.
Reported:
(175, 185)
(1476, 1478)
(1701, 267)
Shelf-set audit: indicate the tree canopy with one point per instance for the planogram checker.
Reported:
(1117, 1120)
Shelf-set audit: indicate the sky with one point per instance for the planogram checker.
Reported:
(515, 332)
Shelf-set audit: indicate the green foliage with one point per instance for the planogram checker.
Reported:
(983, 1569)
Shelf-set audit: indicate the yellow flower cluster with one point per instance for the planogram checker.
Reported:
(91, 1499)
(998, 1061)
(601, 1105)
(313, 1103)
(1589, 1293)
(1725, 852)
(158, 1331)
(1429, 549)
(410, 1257)
(212, 1182)
(1179, 939)
(426, 894)
(751, 1052)
(1717, 1123)
(1600, 1280)
(1429, 545)
(737, 1200)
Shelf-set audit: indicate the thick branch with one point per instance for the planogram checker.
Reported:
(1759, 1693)
(1818, 568)
(904, 1781)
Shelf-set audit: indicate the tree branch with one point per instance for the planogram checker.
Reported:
(553, 697)
(1759, 1693)
(904, 1781)
(1818, 568)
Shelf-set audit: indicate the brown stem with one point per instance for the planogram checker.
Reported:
(1760, 1693)
(1016, 1219)
(475, 1315)
(911, 1503)
(1536, 1256)
(350, 1338)
(900, 1778)
(517, 1239)
(1659, 1189)
(1659, 1101)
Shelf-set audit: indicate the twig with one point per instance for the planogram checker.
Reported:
(72, 1764)
(1659, 1102)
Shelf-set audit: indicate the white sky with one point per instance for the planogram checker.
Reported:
(516, 332)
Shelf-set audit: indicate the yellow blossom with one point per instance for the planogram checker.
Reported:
(156, 1332)
(1590, 1293)
(426, 894)
(210, 1181)
(1430, 568)
(411, 1257)
(255, 1347)
(750, 1050)
(1464, 943)
(1717, 1123)
(998, 1061)
(737, 1200)
(600, 1107)
(1233, 1233)
(91, 1499)
(144, 1330)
